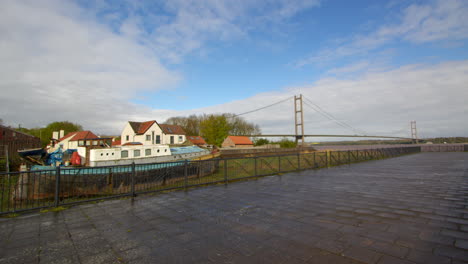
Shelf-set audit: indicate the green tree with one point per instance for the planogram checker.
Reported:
(45, 133)
(214, 128)
(261, 141)
(286, 143)
(192, 124)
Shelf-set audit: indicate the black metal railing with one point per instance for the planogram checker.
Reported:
(37, 189)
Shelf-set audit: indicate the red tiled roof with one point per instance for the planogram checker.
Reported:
(80, 135)
(197, 140)
(141, 127)
(241, 140)
(117, 142)
(172, 129)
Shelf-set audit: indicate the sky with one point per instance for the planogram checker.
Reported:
(374, 65)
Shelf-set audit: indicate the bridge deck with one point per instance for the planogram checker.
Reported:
(411, 209)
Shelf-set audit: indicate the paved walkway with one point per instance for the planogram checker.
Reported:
(411, 209)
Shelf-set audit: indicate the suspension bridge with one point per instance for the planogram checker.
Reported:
(299, 135)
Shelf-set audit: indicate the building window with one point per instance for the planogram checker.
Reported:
(81, 143)
(181, 138)
(148, 137)
(147, 152)
(158, 139)
(88, 143)
(136, 153)
(172, 139)
(127, 137)
(124, 154)
(95, 143)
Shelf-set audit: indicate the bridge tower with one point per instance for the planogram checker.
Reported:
(414, 133)
(299, 120)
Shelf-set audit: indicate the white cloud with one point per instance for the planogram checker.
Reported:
(61, 61)
(441, 20)
(57, 67)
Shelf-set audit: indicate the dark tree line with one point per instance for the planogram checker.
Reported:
(45, 133)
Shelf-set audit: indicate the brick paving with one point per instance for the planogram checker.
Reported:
(410, 209)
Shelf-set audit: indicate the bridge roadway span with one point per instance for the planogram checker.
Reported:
(410, 209)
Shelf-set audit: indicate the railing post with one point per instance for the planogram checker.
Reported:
(57, 187)
(349, 156)
(255, 161)
(133, 181)
(298, 161)
(110, 181)
(279, 163)
(328, 158)
(186, 174)
(7, 160)
(225, 172)
(315, 161)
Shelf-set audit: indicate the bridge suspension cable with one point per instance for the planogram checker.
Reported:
(261, 108)
(329, 116)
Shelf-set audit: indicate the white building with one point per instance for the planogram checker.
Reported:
(75, 139)
(152, 133)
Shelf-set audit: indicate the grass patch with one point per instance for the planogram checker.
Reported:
(12, 215)
(53, 209)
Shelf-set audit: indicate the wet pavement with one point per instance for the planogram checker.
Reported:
(410, 209)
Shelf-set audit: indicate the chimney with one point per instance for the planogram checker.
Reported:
(55, 135)
(62, 133)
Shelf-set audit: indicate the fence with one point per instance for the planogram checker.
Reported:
(37, 189)
(4, 159)
(444, 148)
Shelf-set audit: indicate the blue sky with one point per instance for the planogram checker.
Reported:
(266, 56)
(373, 64)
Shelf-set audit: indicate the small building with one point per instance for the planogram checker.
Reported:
(11, 141)
(152, 133)
(197, 141)
(73, 140)
(237, 142)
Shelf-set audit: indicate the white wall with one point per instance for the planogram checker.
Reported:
(116, 153)
(127, 131)
(167, 139)
(142, 138)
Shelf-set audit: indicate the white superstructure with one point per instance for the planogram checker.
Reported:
(140, 154)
